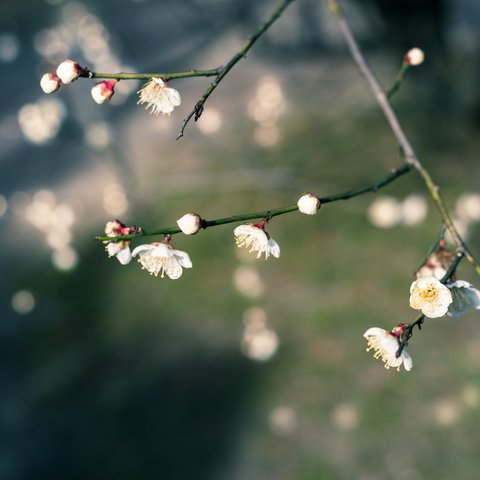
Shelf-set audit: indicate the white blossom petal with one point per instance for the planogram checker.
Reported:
(256, 240)
(183, 258)
(385, 346)
(124, 256)
(158, 97)
(142, 248)
(161, 259)
(430, 296)
(274, 248)
(465, 297)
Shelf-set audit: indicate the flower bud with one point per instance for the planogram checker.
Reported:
(50, 82)
(190, 223)
(69, 71)
(308, 204)
(103, 91)
(414, 57)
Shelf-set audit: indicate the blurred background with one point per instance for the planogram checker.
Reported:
(241, 369)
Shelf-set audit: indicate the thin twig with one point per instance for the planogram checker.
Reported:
(198, 109)
(146, 76)
(410, 155)
(392, 176)
(398, 81)
(434, 247)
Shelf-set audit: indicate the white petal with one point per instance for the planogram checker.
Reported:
(162, 250)
(407, 361)
(167, 101)
(142, 248)
(389, 343)
(173, 96)
(432, 311)
(244, 230)
(375, 332)
(124, 256)
(274, 248)
(474, 297)
(174, 270)
(113, 248)
(183, 258)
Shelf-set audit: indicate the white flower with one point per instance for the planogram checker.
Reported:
(190, 223)
(103, 91)
(308, 204)
(430, 296)
(256, 240)
(121, 250)
(465, 297)
(50, 82)
(414, 57)
(158, 97)
(160, 258)
(68, 71)
(385, 345)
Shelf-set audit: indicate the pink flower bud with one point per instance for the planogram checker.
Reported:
(308, 204)
(103, 91)
(190, 223)
(414, 57)
(68, 71)
(50, 82)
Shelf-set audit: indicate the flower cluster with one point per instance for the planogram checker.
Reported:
(155, 93)
(67, 72)
(434, 298)
(119, 248)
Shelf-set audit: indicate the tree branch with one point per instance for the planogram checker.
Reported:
(198, 109)
(410, 155)
(395, 173)
(418, 322)
(146, 76)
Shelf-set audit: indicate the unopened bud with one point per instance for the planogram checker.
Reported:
(414, 57)
(308, 204)
(190, 223)
(50, 82)
(69, 71)
(103, 91)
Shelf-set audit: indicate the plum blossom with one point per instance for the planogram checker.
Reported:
(68, 71)
(50, 82)
(414, 57)
(437, 265)
(385, 345)
(158, 97)
(103, 91)
(121, 248)
(256, 239)
(190, 223)
(160, 259)
(465, 297)
(308, 204)
(430, 296)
